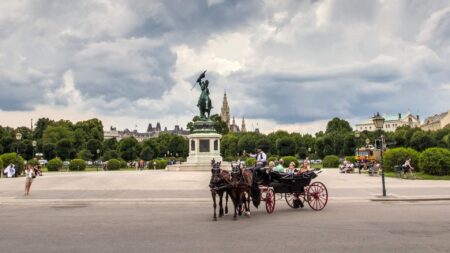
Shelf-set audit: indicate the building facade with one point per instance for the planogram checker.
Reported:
(152, 132)
(436, 122)
(391, 123)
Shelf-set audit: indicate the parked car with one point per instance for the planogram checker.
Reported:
(89, 163)
(43, 162)
(318, 161)
(66, 163)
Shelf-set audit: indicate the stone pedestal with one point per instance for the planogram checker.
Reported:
(204, 146)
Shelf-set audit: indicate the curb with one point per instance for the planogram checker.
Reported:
(408, 199)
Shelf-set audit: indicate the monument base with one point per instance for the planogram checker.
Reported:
(196, 167)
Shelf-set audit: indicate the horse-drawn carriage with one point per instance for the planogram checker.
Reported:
(245, 185)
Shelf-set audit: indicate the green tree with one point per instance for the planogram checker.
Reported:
(40, 127)
(85, 154)
(64, 149)
(128, 148)
(93, 145)
(422, 140)
(147, 154)
(54, 134)
(110, 144)
(229, 145)
(337, 125)
(286, 146)
(49, 151)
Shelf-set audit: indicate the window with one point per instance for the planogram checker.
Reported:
(192, 145)
(216, 145)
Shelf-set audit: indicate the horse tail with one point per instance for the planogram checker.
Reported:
(256, 196)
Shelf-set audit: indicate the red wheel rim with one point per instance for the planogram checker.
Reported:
(270, 201)
(317, 196)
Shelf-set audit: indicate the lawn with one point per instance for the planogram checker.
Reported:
(419, 175)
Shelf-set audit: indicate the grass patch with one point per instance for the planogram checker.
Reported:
(316, 166)
(419, 175)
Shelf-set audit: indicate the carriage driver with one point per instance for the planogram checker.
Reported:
(261, 159)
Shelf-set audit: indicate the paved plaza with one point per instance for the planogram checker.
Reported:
(164, 186)
(160, 211)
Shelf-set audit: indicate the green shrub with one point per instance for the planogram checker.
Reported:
(123, 164)
(288, 159)
(113, 164)
(33, 162)
(77, 165)
(55, 164)
(435, 161)
(228, 159)
(273, 158)
(250, 162)
(18, 161)
(398, 156)
(350, 159)
(330, 161)
(1, 165)
(160, 164)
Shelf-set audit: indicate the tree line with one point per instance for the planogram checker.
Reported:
(83, 139)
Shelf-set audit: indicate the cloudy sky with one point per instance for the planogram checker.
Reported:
(284, 64)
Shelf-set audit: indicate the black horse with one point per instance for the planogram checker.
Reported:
(219, 184)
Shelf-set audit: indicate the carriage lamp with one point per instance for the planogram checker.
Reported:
(378, 121)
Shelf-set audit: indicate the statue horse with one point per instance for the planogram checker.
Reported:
(241, 190)
(219, 184)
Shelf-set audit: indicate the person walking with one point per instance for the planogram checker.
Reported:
(29, 176)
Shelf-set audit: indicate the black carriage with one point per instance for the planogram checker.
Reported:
(292, 188)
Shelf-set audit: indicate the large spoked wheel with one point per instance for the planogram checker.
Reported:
(291, 196)
(270, 201)
(317, 196)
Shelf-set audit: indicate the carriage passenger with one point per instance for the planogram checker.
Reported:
(280, 167)
(291, 169)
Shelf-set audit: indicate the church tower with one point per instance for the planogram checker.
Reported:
(225, 111)
(243, 128)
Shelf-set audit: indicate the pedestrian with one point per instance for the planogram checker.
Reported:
(10, 171)
(29, 176)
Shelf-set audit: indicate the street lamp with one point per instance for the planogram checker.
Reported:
(357, 135)
(34, 144)
(98, 152)
(18, 138)
(378, 121)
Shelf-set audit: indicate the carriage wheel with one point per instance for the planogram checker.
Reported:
(317, 196)
(270, 201)
(290, 198)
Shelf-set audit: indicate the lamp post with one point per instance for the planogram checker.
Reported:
(357, 135)
(18, 138)
(96, 164)
(34, 144)
(378, 121)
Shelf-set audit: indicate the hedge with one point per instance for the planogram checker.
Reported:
(435, 161)
(331, 161)
(288, 159)
(18, 161)
(123, 164)
(250, 162)
(350, 159)
(160, 164)
(113, 164)
(77, 164)
(273, 158)
(55, 164)
(398, 156)
(1, 166)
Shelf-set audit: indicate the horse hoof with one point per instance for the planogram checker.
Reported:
(247, 214)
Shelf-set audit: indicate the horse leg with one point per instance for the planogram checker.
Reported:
(226, 202)
(214, 205)
(235, 204)
(220, 204)
(247, 204)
